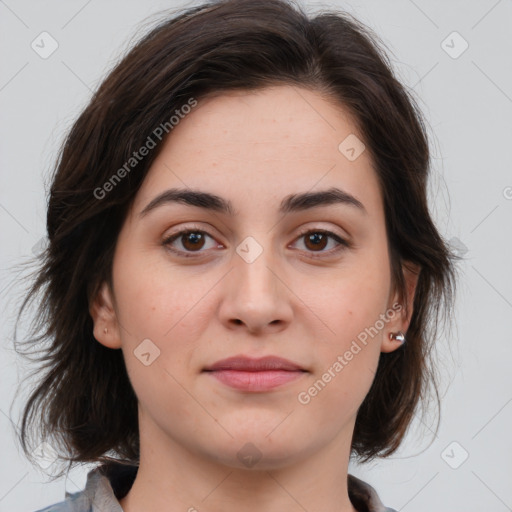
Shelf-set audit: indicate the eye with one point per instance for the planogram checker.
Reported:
(316, 240)
(191, 240)
(194, 240)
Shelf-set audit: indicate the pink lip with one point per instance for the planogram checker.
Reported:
(254, 375)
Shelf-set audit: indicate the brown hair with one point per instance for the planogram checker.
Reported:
(85, 400)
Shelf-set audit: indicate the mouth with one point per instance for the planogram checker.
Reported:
(255, 375)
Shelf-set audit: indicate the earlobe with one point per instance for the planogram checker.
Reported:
(395, 341)
(396, 333)
(104, 318)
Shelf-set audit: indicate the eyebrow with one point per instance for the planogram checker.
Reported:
(290, 204)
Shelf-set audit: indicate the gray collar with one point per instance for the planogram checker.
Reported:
(108, 483)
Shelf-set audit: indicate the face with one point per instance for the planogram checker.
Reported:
(307, 281)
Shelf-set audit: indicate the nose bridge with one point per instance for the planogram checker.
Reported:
(255, 264)
(256, 296)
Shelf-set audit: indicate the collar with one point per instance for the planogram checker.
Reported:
(110, 482)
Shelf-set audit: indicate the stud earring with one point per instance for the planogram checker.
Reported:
(105, 330)
(399, 336)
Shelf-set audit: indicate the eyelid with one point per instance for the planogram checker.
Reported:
(331, 232)
(343, 242)
(181, 232)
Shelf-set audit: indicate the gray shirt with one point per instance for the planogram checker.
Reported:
(111, 482)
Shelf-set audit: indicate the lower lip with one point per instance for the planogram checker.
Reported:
(256, 381)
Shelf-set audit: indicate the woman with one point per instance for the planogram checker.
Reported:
(243, 280)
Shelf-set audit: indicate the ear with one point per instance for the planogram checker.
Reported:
(104, 317)
(400, 309)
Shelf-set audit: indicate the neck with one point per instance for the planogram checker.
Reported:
(176, 478)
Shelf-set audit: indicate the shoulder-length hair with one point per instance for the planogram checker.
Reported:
(84, 400)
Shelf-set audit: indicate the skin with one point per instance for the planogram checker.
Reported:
(253, 148)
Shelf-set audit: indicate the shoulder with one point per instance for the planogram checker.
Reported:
(364, 497)
(76, 502)
(104, 485)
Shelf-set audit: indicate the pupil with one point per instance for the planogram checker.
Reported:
(192, 240)
(317, 240)
(194, 236)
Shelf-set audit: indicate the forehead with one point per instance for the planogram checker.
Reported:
(266, 143)
(274, 117)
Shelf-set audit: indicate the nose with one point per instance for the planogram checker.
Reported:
(256, 297)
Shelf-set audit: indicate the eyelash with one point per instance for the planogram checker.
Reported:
(343, 244)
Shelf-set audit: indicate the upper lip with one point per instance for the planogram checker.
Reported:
(249, 364)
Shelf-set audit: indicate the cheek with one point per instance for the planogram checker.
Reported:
(356, 299)
(349, 352)
(153, 305)
(347, 359)
(336, 395)
(150, 299)
(158, 303)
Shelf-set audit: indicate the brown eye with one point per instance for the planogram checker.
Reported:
(316, 241)
(188, 241)
(193, 240)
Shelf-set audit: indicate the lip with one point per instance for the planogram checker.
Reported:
(255, 375)
(250, 364)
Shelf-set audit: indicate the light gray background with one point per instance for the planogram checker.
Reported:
(468, 103)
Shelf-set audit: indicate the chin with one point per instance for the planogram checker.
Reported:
(257, 457)
(256, 450)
